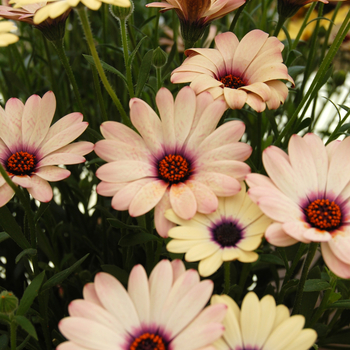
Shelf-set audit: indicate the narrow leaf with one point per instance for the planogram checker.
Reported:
(316, 285)
(136, 238)
(340, 304)
(3, 236)
(144, 72)
(29, 251)
(26, 325)
(132, 55)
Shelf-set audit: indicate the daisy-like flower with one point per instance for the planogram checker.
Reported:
(164, 312)
(195, 15)
(30, 149)
(55, 8)
(242, 72)
(178, 162)
(232, 232)
(307, 196)
(261, 325)
(7, 38)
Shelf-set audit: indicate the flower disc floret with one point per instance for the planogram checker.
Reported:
(148, 341)
(21, 163)
(307, 197)
(179, 161)
(246, 72)
(227, 234)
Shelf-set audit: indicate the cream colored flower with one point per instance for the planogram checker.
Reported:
(261, 325)
(55, 8)
(232, 232)
(7, 38)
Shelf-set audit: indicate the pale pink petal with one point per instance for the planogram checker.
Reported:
(138, 290)
(211, 55)
(161, 223)
(222, 185)
(40, 190)
(233, 168)
(260, 89)
(24, 181)
(255, 102)
(279, 93)
(277, 236)
(67, 345)
(61, 158)
(81, 148)
(183, 201)
(6, 193)
(5, 152)
(165, 104)
(29, 117)
(89, 294)
(12, 133)
(207, 202)
(184, 111)
(315, 235)
(147, 197)
(52, 173)
(109, 189)
(235, 99)
(340, 245)
(337, 266)
(148, 124)
(125, 171)
(203, 82)
(227, 44)
(125, 195)
(116, 300)
(178, 269)
(299, 230)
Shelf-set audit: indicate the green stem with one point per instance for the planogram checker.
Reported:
(99, 94)
(158, 252)
(58, 45)
(310, 255)
(237, 15)
(90, 40)
(244, 275)
(126, 56)
(315, 85)
(159, 78)
(13, 327)
(227, 277)
(279, 25)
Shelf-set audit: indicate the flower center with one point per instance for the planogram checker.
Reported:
(21, 163)
(232, 82)
(227, 234)
(148, 341)
(174, 168)
(323, 214)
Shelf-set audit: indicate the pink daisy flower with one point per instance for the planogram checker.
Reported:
(242, 72)
(307, 196)
(30, 149)
(164, 312)
(180, 161)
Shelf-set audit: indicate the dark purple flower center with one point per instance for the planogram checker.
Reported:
(232, 81)
(323, 214)
(227, 233)
(174, 168)
(21, 163)
(148, 341)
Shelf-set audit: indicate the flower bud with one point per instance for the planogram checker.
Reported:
(8, 302)
(121, 13)
(339, 77)
(160, 58)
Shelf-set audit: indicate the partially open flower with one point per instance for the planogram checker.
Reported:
(232, 232)
(288, 8)
(261, 325)
(242, 72)
(195, 15)
(55, 8)
(7, 38)
(30, 149)
(165, 311)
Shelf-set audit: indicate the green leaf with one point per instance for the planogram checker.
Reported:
(345, 107)
(120, 224)
(3, 236)
(29, 251)
(132, 55)
(107, 67)
(121, 275)
(270, 259)
(26, 325)
(334, 297)
(316, 285)
(61, 276)
(145, 68)
(295, 70)
(340, 304)
(5, 318)
(9, 224)
(30, 294)
(4, 340)
(136, 238)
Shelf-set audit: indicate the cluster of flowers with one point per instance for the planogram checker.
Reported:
(192, 174)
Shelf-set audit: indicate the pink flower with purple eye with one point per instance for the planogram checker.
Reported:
(30, 149)
(165, 312)
(180, 161)
(245, 72)
(307, 197)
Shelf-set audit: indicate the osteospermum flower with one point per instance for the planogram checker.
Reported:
(30, 149)
(196, 15)
(232, 232)
(164, 312)
(307, 196)
(242, 72)
(55, 8)
(261, 325)
(178, 162)
(7, 38)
